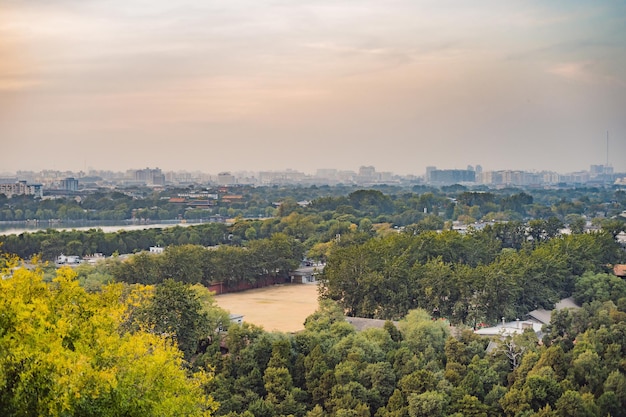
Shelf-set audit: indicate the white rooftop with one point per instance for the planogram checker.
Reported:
(509, 329)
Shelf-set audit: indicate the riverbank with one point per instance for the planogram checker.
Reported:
(17, 228)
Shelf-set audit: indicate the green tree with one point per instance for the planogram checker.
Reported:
(327, 313)
(278, 384)
(427, 404)
(63, 352)
(572, 404)
(215, 318)
(600, 287)
(544, 388)
(576, 223)
(471, 406)
(176, 313)
(143, 268)
(424, 335)
(182, 263)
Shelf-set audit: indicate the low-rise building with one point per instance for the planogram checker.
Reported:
(511, 328)
(306, 274)
(21, 188)
(543, 316)
(236, 318)
(68, 260)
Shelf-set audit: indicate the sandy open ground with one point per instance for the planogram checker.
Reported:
(277, 308)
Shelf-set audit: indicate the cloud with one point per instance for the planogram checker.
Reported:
(584, 72)
(17, 84)
(576, 71)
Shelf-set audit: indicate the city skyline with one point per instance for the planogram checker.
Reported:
(319, 171)
(261, 86)
(364, 174)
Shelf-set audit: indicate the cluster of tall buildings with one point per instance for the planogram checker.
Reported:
(67, 183)
(147, 176)
(367, 175)
(598, 175)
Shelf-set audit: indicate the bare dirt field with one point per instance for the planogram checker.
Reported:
(276, 308)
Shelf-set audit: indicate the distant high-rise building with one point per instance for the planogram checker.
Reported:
(429, 171)
(452, 176)
(150, 176)
(280, 177)
(69, 184)
(595, 170)
(158, 179)
(367, 172)
(329, 173)
(598, 170)
(225, 178)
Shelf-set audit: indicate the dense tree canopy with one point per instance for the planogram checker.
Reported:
(421, 369)
(466, 278)
(63, 352)
(514, 216)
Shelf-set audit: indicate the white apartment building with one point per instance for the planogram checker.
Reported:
(21, 188)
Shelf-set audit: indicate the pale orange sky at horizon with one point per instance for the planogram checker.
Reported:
(259, 85)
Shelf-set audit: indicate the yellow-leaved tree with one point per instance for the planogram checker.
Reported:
(64, 352)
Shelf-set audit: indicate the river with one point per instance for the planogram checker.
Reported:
(13, 228)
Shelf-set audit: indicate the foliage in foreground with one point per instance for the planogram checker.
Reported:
(64, 351)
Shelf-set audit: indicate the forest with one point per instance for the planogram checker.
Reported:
(383, 203)
(167, 350)
(516, 214)
(143, 336)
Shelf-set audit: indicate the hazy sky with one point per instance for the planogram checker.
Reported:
(268, 85)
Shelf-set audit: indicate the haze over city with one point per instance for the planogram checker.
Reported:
(258, 85)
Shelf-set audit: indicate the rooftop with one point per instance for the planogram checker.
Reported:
(620, 270)
(509, 329)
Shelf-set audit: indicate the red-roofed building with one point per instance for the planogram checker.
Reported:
(620, 270)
